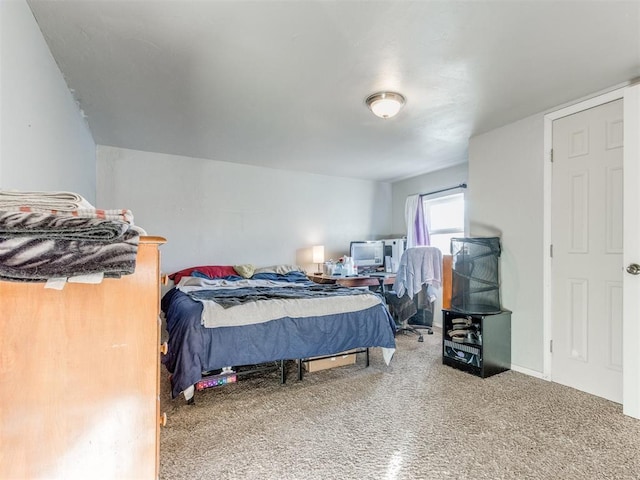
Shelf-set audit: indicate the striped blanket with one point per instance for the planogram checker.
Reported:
(58, 203)
(122, 215)
(36, 246)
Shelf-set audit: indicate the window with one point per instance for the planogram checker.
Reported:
(445, 219)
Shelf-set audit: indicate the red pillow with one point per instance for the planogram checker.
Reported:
(211, 271)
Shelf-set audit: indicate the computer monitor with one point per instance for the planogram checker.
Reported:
(368, 255)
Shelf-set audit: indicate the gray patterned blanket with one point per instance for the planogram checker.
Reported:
(43, 225)
(230, 298)
(36, 246)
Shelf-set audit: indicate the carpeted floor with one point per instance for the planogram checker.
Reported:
(415, 419)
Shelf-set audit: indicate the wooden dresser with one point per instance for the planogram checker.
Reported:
(79, 373)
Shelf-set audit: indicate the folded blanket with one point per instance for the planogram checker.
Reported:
(42, 225)
(47, 200)
(122, 215)
(37, 246)
(30, 259)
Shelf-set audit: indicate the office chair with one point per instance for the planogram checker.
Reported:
(410, 302)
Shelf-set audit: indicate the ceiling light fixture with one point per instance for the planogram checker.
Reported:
(385, 104)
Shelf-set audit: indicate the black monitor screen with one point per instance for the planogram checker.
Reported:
(367, 255)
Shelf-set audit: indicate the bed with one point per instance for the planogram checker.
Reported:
(219, 321)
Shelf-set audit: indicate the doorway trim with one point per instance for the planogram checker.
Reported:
(631, 383)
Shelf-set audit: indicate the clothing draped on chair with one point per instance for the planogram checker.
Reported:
(418, 266)
(417, 231)
(411, 300)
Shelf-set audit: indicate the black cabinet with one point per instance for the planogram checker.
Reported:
(477, 343)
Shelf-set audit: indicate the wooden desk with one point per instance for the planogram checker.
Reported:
(360, 281)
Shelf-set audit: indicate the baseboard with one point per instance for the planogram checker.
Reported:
(528, 371)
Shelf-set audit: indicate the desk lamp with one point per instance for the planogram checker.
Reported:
(318, 257)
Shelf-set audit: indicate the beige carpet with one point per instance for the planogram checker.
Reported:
(416, 419)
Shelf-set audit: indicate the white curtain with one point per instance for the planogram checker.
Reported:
(417, 231)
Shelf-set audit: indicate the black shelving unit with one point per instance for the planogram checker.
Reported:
(477, 343)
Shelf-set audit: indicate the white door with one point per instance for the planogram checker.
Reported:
(631, 340)
(587, 239)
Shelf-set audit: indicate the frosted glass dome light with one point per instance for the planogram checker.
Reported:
(385, 104)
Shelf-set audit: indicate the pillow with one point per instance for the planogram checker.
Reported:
(211, 271)
(280, 269)
(245, 270)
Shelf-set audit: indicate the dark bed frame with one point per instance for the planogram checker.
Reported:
(246, 370)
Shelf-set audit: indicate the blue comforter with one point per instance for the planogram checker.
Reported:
(194, 348)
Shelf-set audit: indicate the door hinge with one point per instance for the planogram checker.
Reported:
(551, 155)
(550, 346)
(551, 250)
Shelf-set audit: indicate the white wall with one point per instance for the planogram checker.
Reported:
(220, 213)
(45, 143)
(505, 199)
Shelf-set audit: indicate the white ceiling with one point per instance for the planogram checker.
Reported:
(282, 83)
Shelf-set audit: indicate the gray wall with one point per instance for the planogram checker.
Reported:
(505, 199)
(426, 183)
(214, 212)
(45, 143)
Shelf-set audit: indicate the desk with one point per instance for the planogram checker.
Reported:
(360, 281)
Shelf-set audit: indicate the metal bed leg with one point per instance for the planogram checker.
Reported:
(299, 369)
(367, 357)
(283, 373)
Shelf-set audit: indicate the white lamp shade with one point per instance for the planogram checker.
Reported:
(318, 254)
(385, 104)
